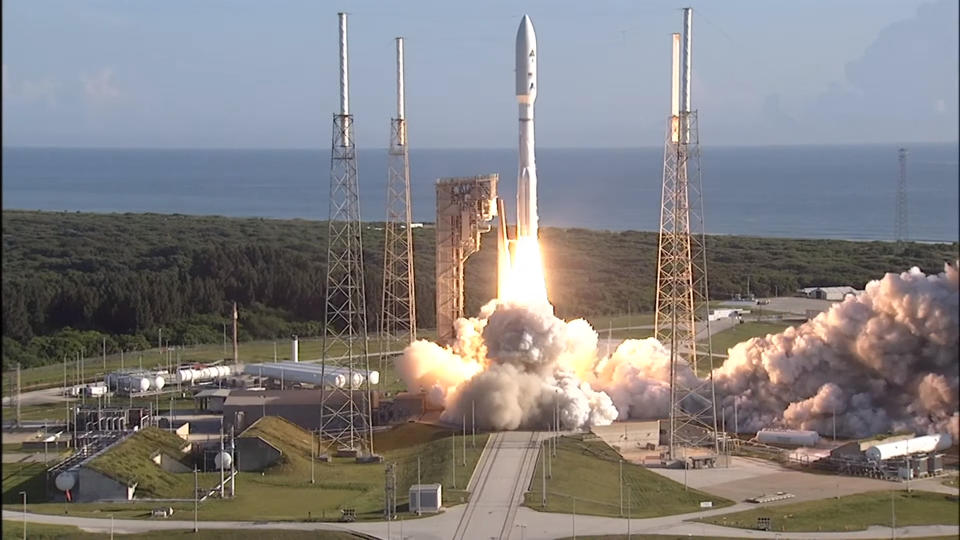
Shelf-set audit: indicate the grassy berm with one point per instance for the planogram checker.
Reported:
(851, 513)
(284, 491)
(590, 471)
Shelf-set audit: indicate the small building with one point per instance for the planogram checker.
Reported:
(425, 498)
(211, 399)
(830, 293)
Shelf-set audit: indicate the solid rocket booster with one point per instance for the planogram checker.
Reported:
(526, 95)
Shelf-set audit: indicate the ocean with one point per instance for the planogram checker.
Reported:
(839, 192)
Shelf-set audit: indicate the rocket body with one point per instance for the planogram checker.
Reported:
(526, 96)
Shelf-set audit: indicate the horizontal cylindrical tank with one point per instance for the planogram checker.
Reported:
(66, 480)
(222, 460)
(158, 382)
(925, 444)
(789, 437)
(296, 373)
(185, 375)
(96, 390)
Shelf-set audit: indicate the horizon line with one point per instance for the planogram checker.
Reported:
(500, 148)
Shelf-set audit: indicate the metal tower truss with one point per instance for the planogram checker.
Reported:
(900, 225)
(682, 313)
(465, 206)
(345, 411)
(398, 316)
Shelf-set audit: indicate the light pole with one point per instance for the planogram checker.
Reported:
(196, 497)
(313, 452)
(24, 493)
(574, 518)
(111, 526)
(621, 487)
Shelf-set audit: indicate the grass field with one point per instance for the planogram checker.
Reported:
(14, 530)
(590, 471)
(722, 341)
(285, 492)
(851, 513)
(24, 476)
(953, 481)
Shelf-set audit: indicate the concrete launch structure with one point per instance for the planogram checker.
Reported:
(526, 96)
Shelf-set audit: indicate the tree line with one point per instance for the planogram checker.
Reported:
(73, 280)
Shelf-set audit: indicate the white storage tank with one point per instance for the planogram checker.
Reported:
(96, 390)
(65, 480)
(184, 375)
(926, 444)
(295, 350)
(158, 382)
(222, 460)
(788, 437)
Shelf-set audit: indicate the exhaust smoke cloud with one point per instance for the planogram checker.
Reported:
(886, 360)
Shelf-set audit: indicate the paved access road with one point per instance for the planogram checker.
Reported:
(502, 477)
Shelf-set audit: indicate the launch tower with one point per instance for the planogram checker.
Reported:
(682, 312)
(465, 206)
(345, 412)
(398, 316)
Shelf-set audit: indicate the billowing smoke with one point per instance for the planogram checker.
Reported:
(886, 360)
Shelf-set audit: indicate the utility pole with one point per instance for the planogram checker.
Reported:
(196, 497)
(464, 440)
(223, 480)
(24, 493)
(418, 486)
(473, 423)
(574, 518)
(224, 339)
(313, 443)
(18, 395)
(453, 457)
(543, 475)
(621, 487)
(900, 224)
(104, 354)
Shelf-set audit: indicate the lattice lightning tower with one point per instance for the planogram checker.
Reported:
(682, 313)
(345, 411)
(901, 219)
(398, 316)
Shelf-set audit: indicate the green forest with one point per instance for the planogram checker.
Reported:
(71, 280)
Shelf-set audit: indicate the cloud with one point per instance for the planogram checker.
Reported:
(897, 86)
(101, 87)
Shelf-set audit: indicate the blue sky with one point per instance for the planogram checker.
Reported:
(253, 74)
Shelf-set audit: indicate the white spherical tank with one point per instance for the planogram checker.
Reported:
(374, 377)
(144, 384)
(357, 380)
(222, 460)
(159, 382)
(66, 480)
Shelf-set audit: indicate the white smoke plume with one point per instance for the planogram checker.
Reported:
(886, 360)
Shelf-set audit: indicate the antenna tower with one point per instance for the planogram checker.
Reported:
(901, 218)
(681, 309)
(398, 316)
(345, 411)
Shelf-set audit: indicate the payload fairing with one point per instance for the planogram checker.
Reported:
(526, 96)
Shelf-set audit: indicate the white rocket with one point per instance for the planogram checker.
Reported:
(526, 95)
